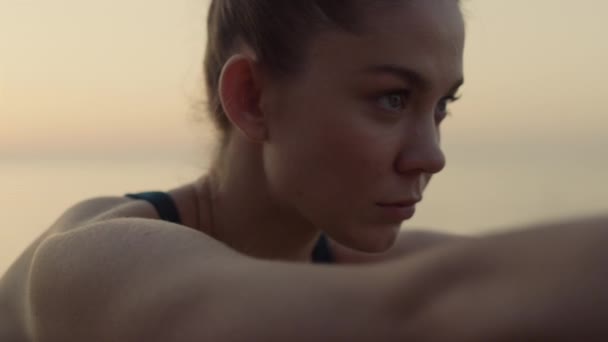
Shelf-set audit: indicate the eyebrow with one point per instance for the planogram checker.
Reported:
(408, 75)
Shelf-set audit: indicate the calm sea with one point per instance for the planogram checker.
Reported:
(468, 197)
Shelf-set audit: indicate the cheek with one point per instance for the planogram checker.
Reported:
(329, 159)
(346, 154)
(353, 153)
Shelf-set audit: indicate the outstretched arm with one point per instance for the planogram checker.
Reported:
(133, 279)
(542, 283)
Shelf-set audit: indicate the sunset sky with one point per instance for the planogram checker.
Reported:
(85, 77)
(84, 82)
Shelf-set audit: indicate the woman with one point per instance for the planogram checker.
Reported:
(329, 113)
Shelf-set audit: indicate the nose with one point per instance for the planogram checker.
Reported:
(421, 150)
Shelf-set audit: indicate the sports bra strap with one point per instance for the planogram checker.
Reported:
(162, 202)
(168, 211)
(322, 253)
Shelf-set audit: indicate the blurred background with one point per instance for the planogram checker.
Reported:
(102, 98)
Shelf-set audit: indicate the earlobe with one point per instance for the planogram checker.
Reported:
(239, 92)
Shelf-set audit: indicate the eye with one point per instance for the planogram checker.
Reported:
(441, 112)
(394, 100)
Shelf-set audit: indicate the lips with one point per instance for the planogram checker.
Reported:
(399, 203)
(398, 211)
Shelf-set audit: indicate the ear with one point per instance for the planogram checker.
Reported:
(239, 91)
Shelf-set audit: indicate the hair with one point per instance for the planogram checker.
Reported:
(277, 31)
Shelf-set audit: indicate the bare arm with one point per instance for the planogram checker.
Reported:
(154, 283)
(542, 283)
(148, 280)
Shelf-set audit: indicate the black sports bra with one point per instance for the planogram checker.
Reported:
(167, 211)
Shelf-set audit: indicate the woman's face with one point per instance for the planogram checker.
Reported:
(356, 135)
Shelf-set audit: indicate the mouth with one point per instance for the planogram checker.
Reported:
(398, 211)
(399, 204)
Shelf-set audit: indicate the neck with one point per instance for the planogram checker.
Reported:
(243, 214)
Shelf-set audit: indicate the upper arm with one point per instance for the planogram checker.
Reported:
(408, 243)
(135, 279)
(84, 279)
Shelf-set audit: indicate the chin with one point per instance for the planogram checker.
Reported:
(371, 239)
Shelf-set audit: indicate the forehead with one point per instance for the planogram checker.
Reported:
(423, 35)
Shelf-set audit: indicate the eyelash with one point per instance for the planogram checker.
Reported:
(448, 100)
(405, 94)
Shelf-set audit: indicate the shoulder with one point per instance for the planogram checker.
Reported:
(408, 242)
(71, 219)
(11, 282)
(100, 209)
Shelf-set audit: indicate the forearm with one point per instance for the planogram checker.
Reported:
(296, 302)
(546, 282)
